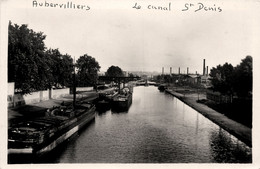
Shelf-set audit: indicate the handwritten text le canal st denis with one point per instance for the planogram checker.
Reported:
(196, 7)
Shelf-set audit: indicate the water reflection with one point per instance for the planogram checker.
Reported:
(226, 148)
(114, 111)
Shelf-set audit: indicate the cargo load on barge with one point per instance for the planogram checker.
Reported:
(123, 101)
(43, 134)
(105, 98)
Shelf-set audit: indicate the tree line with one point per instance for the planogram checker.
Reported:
(231, 80)
(33, 66)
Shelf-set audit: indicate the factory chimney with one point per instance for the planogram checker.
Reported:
(203, 67)
(162, 70)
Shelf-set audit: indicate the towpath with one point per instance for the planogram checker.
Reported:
(241, 131)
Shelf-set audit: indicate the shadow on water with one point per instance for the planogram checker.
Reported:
(101, 113)
(102, 110)
(116, 110)
(51, 157)
(120, 110)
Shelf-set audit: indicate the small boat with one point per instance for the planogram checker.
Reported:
(162, 87)
(123, 100)
(43, 134)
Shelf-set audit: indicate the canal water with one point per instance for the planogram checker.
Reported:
(157, 128)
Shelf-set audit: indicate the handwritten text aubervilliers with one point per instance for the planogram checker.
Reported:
(68, 5)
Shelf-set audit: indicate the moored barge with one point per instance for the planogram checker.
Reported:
(105, 99)
(122, 101)
(43, 134)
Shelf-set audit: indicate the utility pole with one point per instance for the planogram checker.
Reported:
(74, 85)
(198, 94)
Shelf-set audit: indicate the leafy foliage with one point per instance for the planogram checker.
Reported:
(229, 80)
(31, 66)
(114, 71)
(222, 78)
(26, 59)
(88, 69)
(244, 77)
(61, 68)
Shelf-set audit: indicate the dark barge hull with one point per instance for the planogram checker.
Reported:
(104, 102)
(103, 105)
(162, 87)
(72, 125)
(122, 105)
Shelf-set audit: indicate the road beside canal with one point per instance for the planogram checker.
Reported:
(239, 130)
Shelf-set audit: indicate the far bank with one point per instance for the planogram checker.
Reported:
(239, 130)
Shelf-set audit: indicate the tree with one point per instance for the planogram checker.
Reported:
(244, 77)
(227, 79)
(26, 59)
(114, 71)
(222, 78)
(88, 69)
(30, 66)
(61, 68)
(131, 75)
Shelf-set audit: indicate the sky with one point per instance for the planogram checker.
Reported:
(115, 33)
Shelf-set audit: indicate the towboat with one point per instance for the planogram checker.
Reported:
(43, 134)
(162, 87)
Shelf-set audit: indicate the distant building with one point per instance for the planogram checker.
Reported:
(205, 80)
(125, 73)
(192, 78)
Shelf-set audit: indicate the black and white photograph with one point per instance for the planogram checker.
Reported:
(134, 83)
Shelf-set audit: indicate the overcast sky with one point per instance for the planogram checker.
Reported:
(144, 39)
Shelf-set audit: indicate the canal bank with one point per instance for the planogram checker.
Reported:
(241, 131)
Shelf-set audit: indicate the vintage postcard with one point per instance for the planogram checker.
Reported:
(125, 84)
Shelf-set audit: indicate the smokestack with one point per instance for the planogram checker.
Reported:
(207, 70)
(179, 70)
(162, 70)
(203, 66)
(170, 70)
(196, 73)
(187, 70)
